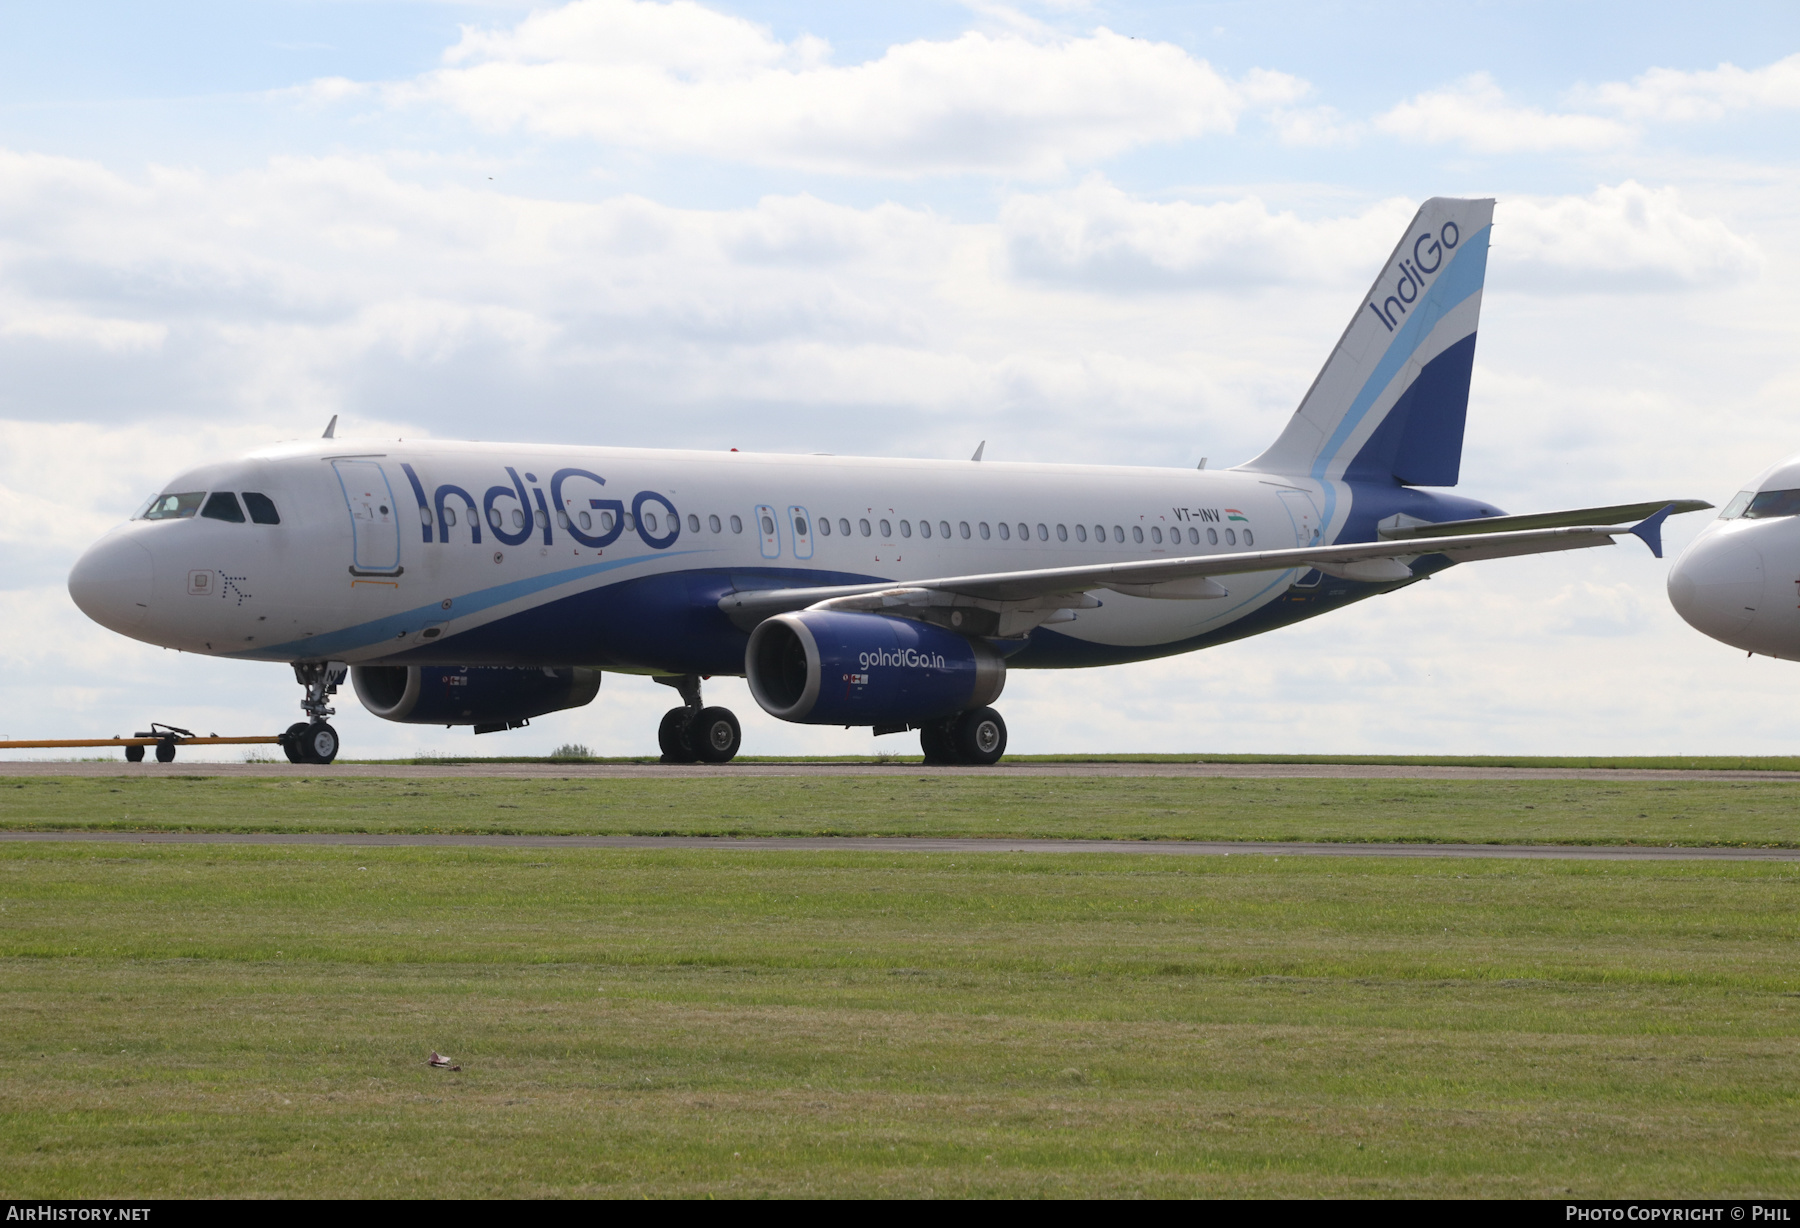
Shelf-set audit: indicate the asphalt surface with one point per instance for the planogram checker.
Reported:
(604, 771)
(875, 844)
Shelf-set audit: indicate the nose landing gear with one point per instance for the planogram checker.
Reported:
(693, 733)
(314, 741)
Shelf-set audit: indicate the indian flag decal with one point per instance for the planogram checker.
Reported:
(1231, 513)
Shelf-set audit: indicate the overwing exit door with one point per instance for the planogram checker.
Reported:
(374, 524)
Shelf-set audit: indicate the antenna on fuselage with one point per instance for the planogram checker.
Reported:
(978, 450)
(330, 429)
(1202, 463)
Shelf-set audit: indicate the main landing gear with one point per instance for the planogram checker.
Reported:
(976, 737)
(693, 733)
(313, 740)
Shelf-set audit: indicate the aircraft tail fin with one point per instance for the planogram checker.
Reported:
(1390, 402)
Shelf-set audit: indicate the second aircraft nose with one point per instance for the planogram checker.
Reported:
(112, 583)
(1716, 586)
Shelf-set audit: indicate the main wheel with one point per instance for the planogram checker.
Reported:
(165, 751)
(979, 737)
(134, 754)
(934, 740)
(671, 735)
(319, 744)
(293, 742)
(714, 735)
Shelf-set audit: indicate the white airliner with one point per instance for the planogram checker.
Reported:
(1737, 580)
(483, 584)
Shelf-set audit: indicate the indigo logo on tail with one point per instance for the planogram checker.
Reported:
(1427, 258)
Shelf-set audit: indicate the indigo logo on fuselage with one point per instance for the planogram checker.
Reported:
(595, 522)
(1428, 255)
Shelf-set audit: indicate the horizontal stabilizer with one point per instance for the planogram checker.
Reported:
(1618, 513)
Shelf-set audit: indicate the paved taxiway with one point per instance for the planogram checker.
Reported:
(878, 844)
(603, 771)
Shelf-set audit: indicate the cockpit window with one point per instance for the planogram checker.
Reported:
(223, 506)
(1738, 503)
(1769, 504)
(174, 507)
(262, 508)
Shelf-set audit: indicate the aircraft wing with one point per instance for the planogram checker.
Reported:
(1053, 589)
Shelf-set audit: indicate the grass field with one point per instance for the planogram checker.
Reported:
(1698, 812)
(230, 1020)
(254, 1020)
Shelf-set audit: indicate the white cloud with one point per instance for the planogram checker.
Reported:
(1098, 235)
(1474, 112)
(1669, 94)
(680, 77)
(1618, 238)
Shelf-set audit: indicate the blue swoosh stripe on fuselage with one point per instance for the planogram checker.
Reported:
(380, 630)
(1464, 278)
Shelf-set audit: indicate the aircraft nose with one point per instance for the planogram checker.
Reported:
(1716, 586)
(112, 583)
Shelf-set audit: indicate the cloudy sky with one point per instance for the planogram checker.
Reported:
(1118, 232)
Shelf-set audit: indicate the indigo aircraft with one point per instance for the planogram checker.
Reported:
(484, 584)
(1736, 580)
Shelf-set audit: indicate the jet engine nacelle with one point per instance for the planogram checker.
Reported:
(823, 667)
(489, 698)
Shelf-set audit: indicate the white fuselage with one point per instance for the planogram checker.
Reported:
(366, 565)
(1739, 580)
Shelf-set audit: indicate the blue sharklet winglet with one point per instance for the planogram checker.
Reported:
(1650, 529)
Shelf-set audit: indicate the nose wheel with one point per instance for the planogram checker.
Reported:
(313, 740)
(315, 743)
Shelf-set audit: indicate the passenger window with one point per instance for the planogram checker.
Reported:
(768, 526)
(628, 522)
(962, 526)
(518, 518)
(1062, 532)
(1118, 533)
(824, 526)
(693, 523)
(223, 506)
(494, 516)
(1005, 532)
(562, 518)
(887, 531)
(1080, 532)
(1765, 506)
(1193, 537)
(1100, 533)
(450, 518)
(864, 526)
(1248, 539)
(844, 526)
(906, 528)
(1024, 532)
(262, 509)
(1231, 537)
(799, 526)
(986, 533)
(174, 507)
(1137, 534)
(586, 519)
(737, 524)
(606, 522)
(944, 529)
(924, 528)
(712, 522)
(1212, 537)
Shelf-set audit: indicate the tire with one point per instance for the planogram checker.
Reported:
(671, 736)
(293, 742)
(165, 751)
(319, 744)
(134, 754)
(934, 740)
(979, 737)
(714, 735)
